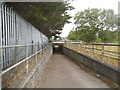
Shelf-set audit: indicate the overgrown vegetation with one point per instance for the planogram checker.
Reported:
(95, 25)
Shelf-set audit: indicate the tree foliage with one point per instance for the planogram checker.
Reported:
(96, 23)
(48, 17)
(108, 36)
(73, 35)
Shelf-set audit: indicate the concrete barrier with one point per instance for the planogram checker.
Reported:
(103, 68)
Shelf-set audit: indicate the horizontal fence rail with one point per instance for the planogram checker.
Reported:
(19, 40)
(28, 56)
(27, 50)
(108, 53)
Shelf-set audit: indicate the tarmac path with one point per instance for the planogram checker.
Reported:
(61, 72)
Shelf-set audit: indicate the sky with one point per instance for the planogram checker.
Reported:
(84, 4)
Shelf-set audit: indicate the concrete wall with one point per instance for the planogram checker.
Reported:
(104, 69)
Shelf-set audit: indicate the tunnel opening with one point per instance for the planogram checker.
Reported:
(57, 48)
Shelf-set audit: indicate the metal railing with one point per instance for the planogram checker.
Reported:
(19, 40)
(16, 31)
(26, 58)
(102, 52)
(19, 52)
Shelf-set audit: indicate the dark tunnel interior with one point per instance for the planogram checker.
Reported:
(57, 49)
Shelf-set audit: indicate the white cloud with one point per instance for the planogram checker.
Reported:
(84, 4)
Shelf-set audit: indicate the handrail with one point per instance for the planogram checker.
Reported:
(13, 66)
(11, 46)
(26, 49)
(106, 44)
(90, 47)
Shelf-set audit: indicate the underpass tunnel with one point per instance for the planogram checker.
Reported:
(57, 48)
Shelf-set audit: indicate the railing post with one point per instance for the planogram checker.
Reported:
(36, 52)
(65, 44)
(43, 50)
(69, 44)
(27, 59)
(85, 49)
(91, 50)
(103, 52)
(79, 47)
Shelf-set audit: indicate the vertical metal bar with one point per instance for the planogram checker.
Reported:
(31, 37)
(3, 32)
(17, 39)
(36, 51)
(17, 31)
(1, 41)
(85, 49)
(81, 47)
(14, 61)
(43, 49)
(27, 59)
(42, 42)
(14, 29)
(11, 36)
(69, 45)
(19, 34)
(91, 50)
(8, 35)
(9, 17)
(1, 54)
(103, 52)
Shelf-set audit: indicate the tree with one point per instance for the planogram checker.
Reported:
(108, 36)
(48, 17)
(73, 35)
(92, 22)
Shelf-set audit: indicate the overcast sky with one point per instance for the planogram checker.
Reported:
(84, 4)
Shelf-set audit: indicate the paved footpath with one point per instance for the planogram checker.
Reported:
(61, 72)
